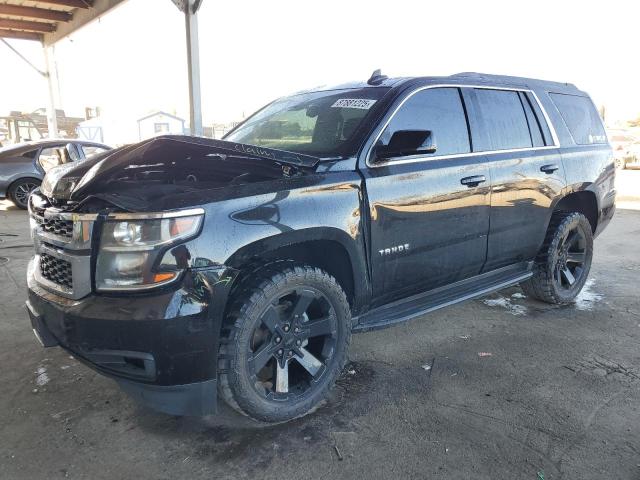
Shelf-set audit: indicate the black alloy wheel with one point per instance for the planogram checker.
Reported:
(563, 263)
(293, 344)
(570, 259)
(284, 342)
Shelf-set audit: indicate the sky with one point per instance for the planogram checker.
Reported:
(133, 59)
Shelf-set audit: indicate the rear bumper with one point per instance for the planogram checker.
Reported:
(160, 348)
(607, 210)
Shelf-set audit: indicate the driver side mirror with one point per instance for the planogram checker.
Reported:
(404, 143)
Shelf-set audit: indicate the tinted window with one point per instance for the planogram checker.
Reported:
(504, 119)
(320, 123)
(546, 131)
(438, 110)
(532, 121)
(581, 118)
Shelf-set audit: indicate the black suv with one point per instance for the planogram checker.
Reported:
(185, 267)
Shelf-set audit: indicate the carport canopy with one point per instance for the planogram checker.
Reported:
(49, 21)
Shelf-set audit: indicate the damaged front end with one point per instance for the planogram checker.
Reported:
(170, 172)
(116, 278)
(113, 223)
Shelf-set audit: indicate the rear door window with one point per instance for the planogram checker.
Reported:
(532, 121)
(438, 110)
(50, 157)
(581, 118)
(504, 119)
(542, 121)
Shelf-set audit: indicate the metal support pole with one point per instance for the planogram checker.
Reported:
(193, 65)
(52, 119)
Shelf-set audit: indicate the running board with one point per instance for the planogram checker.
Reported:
(416, 305)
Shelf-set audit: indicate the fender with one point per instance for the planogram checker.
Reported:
(352, 246)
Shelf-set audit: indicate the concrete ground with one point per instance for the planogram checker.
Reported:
(498, 388)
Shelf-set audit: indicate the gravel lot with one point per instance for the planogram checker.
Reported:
(498, 388)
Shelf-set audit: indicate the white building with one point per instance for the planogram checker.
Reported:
(160, 123)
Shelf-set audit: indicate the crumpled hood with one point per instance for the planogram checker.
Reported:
(173, 164)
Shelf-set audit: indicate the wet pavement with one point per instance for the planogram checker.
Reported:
(496, 388)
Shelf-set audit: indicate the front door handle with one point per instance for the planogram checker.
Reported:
(549, 169)
(473, 181)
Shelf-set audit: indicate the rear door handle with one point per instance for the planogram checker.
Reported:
(548, 169)
(473, 181)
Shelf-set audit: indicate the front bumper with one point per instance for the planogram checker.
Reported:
(161, 348)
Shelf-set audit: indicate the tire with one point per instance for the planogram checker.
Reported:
(20, 190)
(263, 342)
(562, 266)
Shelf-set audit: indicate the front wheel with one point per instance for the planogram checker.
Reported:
(563, 264)
(284, 343)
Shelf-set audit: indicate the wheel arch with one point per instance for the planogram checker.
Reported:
(582, 201)
(23, 177)
(329, 249)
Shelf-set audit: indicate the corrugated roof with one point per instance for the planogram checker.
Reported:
(49, 21)
(31, 19)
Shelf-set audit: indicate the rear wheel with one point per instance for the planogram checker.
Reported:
(563, 264)
(285, 343)
(20, 190)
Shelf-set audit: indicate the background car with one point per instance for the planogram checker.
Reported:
(23, 166)
(620, 142)
(630, 157)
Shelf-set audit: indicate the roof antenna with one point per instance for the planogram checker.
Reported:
(376, 77)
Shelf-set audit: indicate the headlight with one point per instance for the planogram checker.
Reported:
(129, 248)
(53, 183)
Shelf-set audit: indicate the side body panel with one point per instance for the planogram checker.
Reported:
(427, 229)
(14, 168)
(319, 207)
(588, 168)
(521, 193)
(522, 197)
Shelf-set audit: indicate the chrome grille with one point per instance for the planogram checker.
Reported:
(62, 241)
(56, 270)
(58, 226)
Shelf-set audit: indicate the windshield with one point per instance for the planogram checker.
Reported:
(316, 123)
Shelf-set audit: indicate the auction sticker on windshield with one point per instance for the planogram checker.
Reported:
(361, 103)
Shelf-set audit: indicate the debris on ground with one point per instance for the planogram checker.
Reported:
(518, 295)
(344, 444)
(504, 302)
(587, 298)
(485, 354)
(426, 366)
(42, 378)
(335, 447)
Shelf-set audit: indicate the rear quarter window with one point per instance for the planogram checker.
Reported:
(581, 118)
